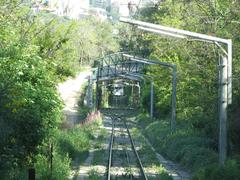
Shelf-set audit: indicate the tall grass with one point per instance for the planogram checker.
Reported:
(68, 145)
(190, 148)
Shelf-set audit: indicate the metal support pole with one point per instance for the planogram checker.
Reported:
(139, 93)
(174, 92)
(151, 100)
(90, 93)
(229, 53)
(132, 96)
(97, 90)
(223, 109)
(31, 174)
(102, 93)
(51, 158)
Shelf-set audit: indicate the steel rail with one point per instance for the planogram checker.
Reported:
(134, 149)
(110, 150)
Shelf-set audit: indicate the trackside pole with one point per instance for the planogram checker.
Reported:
(174, 92)
(97, 89)
(223, 102)
(31, 174)
(90, 93)
(151, 100)
(229, 71)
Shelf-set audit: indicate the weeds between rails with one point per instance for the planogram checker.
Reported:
(118, 118)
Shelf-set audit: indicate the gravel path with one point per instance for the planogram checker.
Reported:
(70, 91)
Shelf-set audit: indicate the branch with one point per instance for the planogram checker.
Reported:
(44, 27)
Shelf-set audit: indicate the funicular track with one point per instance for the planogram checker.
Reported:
(122, 152)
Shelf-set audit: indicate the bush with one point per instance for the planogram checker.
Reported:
(74, 141)
(69, 144)
(60, 170)
(93, 174)
(191, 149)
(13, 173)
(30, 106)
(231, 171)
(164, 176)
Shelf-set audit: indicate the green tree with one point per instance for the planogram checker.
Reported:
(38, 50)
(197, 65)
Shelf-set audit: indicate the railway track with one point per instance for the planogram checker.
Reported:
(123, 153)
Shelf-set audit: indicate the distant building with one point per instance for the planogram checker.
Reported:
(99, 3)
(99, 13)
(102, 9)
(71, 8)
(129, 7)
(74, 9)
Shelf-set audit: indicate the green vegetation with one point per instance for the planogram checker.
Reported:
(162, 173)
(38, 51)
(30, 106)
(148, 156)
(164, 176)
(184, 145)
(75, 142)
(83, 110)
(100, 153)
(69, 146)
(196, 62)
(192, 149)
(215, 171)
(93, 175)
(195, 142)
(60, 166)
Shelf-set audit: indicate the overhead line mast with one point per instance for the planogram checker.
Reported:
(225, 70)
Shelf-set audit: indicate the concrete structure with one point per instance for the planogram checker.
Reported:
(71, 8)
(99, 13)
(77, 9)
(74, 9)
(129, 7)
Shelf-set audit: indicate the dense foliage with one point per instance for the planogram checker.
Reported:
(37, 51)
(197, 62)
(197, 82)
(70, 147)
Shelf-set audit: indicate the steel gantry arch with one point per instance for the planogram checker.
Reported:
(126, 66)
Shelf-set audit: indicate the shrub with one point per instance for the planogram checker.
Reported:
(69, 144)
(74, 141)
(231, 171)
(190, 148)
(13, 173)
(164, 176)
(60, 169)
(93, 174)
